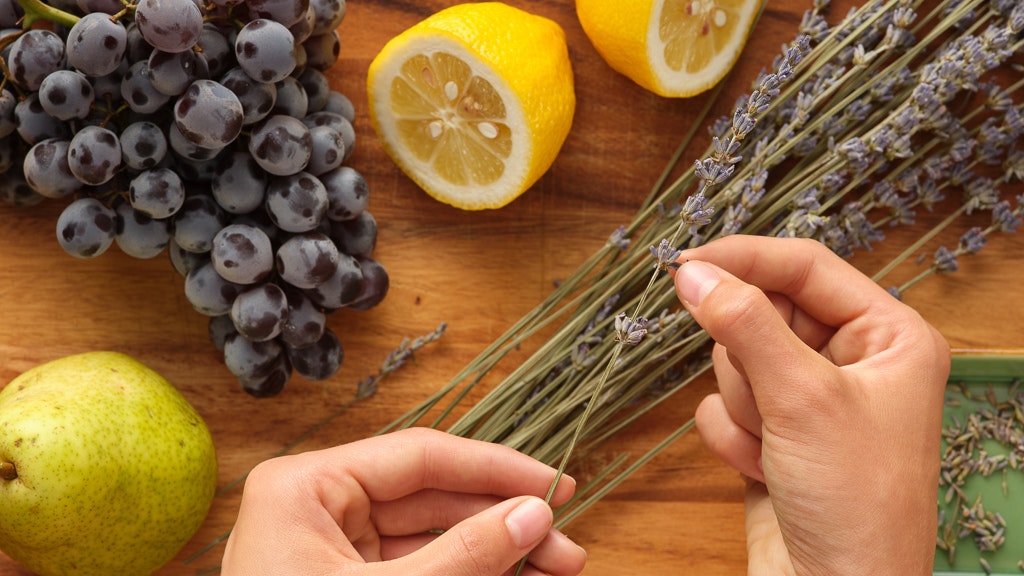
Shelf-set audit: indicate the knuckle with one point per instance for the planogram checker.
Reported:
(270, 477)
(473, 554)
(741, 307)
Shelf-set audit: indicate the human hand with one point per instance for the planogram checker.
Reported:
(830, 403)
(375, 507)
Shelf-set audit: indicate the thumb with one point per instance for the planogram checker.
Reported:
(487, 544)
(760, 343)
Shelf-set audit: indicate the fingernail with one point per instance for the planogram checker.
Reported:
(529, 522)
(695, 280)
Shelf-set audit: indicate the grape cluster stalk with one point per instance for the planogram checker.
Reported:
(207, 132)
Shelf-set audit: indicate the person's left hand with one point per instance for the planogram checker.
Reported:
(415, 502)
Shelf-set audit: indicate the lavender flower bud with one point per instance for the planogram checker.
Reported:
(972, 241)
(856, 153)
(1016, 19)
(695, 211)
(712, 172)
(982, 194)
(629, 331)
(944, 261)
(1004, 218)
(618, 239)
(1013, 166)
(665, 255)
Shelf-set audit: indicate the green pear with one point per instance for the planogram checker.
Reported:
(105, 468)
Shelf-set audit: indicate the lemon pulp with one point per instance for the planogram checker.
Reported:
(695, 32)
(451, 119)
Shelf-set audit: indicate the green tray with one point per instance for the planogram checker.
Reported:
(985, 376)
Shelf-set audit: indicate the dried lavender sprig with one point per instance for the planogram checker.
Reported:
(695, 213)
(644, 231)
(862, 87)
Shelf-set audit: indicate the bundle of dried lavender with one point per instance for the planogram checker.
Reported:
(857, 126)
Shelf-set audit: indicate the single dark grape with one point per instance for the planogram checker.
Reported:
(347, 193)
(94, 155)
(86, 228)
(305, 321)
(265, 49)
(158, 193)
(242, 254)
(376, 283)
(169, 25)
(46, 169)
(319, 361)
(208, 114)
(96, 45)
(296, 203)
(138, 235)
(307, 260)
(281, 145)
(259, 312)
(208, 293)
(248, 359)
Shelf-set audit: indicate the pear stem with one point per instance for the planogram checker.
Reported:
(8, 471)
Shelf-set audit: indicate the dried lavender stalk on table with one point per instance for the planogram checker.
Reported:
(887, 112)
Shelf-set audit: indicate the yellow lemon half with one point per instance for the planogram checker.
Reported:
(673, 48)
(474, 102)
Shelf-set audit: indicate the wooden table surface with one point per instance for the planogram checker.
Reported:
(479, 272)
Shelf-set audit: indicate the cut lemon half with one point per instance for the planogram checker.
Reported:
(474, 103)
(674, 48)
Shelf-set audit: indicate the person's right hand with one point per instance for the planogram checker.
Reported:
(830, 402)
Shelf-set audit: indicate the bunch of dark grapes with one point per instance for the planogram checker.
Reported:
(209, 132)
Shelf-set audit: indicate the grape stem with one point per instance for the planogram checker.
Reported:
(36, 10)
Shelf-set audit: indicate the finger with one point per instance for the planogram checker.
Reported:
(427, 510)
(404, 462)
(487, 544)
(741, 318)
(807, 272)
(555, 555)
(810, 330)
(735, 391)
(730, 442)
(394, 465)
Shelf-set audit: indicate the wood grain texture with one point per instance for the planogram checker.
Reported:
(479, 272)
